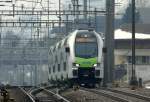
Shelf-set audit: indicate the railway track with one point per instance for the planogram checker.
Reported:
(28, 97)
(119, 96)
(139, 96)
(45, 95)
(106, 94)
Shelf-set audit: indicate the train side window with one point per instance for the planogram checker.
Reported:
(64, 66)
(67, 49)
(56, 60)
(50, 70)
(54, 69)
(61, 56)
(58, 67)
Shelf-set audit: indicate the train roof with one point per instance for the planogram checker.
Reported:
(64, 41)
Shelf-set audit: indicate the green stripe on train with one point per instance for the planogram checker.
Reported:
(86, 63)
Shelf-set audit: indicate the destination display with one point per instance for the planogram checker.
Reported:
(85, 39)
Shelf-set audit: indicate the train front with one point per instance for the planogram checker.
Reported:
(88, 52)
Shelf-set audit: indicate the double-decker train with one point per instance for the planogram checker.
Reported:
(77, 58)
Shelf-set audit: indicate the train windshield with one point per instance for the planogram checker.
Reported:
(86, 49)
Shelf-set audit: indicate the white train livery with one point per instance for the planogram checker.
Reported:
(77, 58)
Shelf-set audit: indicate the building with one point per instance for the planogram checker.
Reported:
(145, 15)
(123, 54)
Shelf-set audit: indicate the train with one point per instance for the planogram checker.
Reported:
(77, 59)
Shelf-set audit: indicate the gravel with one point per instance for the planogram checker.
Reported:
(84, 96)
(141, 91)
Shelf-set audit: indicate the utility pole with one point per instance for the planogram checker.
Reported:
(60, 16)
(0, 30)
(77, 16)
(133, 80)
(48, 19)
(95, 19)
(23, 67)
(67, 25)
(74, 7)
(109, 44)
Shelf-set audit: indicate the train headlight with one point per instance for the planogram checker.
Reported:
(95, 65)
(77, 65)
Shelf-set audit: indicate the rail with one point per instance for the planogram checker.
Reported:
(130, 94)
(106, 94)
(57, 95)
(30, 98)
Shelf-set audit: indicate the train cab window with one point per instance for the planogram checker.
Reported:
(86, 50)
(58, 67)
(54, 69)
(64, 65)
(86, 45)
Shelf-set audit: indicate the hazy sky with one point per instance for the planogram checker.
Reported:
(54, 3)
(42, 4)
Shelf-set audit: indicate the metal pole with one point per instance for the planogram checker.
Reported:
(77, 10)
(85, 9)
(23, 77)
(35, 75)
(74, 9)
(89, 16)
(31, 70)
(48, 18)
(109, 44)
(59, 16)
(95, 19)
(0, 30)
(67, 25)
(23, 57)
(133, 80)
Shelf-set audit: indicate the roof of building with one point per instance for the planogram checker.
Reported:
(123, 40)
(120, 34)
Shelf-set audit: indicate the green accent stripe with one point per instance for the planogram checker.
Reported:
(86, 63)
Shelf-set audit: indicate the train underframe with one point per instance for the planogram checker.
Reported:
(85, 77)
